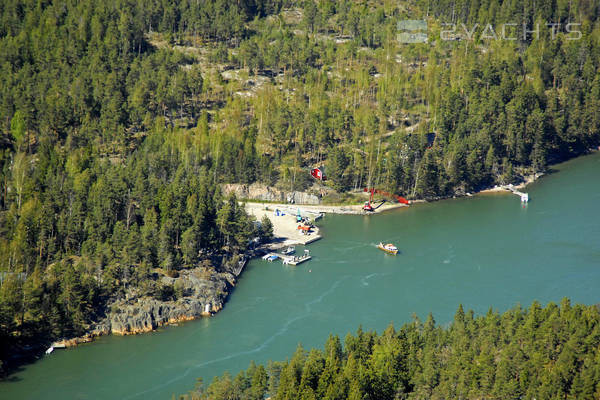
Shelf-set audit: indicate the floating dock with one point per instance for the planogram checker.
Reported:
(288, 259)
(271, 257)
(295, 260)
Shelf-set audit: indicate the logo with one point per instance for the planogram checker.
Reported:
(508, 31)
(412, 31)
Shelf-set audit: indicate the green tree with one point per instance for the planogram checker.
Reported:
(190, 245)
(17, 126)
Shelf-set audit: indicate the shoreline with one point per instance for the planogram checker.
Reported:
(527, 180)
(348, 209)
(357, 209)
(285, 226)
(286, 233)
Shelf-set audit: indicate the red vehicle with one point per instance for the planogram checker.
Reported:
(368, 207)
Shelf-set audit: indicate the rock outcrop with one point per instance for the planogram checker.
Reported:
(202, 296)
(200, 293)
(257, 191)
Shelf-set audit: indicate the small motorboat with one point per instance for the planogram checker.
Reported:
(388, 248)
(289, 251)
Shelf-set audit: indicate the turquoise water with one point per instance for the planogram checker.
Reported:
(486, 251)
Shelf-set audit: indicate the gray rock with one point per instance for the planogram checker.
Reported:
(258, 191)
(136, 314)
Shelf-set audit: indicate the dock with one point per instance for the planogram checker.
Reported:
(271, 257)
(288, 259)
(56, 345)
(524, 196)
(311, 239)
(240, 267)
(295, 260)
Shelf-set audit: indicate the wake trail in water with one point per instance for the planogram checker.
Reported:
(365, 279)
(342, 262)
(262, 346)
(350, 248)
(256, 302)
(337, 261)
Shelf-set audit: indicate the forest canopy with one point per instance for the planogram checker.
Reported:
(543, 353)
(120, 120)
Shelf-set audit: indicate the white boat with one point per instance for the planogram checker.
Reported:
(50, 350)
(270, 257)
(289, 250)
(388, 248)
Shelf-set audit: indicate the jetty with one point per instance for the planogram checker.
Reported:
(56, 345)
(240, 266)
(524, 196)
(310, 239)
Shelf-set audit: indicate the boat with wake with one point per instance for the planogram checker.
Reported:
(388, 248)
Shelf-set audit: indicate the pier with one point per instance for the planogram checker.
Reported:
(240, 267)
(524, 196)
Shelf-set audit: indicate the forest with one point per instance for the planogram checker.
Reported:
(543, 353)
(120, 120)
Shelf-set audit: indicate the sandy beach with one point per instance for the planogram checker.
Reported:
(285, 227)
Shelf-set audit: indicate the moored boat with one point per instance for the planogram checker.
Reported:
(289, 251)
(388, 248)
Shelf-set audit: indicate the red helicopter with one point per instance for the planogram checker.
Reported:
(319, 173)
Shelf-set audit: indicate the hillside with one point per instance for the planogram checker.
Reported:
(120, 121)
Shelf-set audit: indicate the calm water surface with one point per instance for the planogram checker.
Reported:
(486, 251)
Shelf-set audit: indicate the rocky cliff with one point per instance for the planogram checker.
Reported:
(258, 191)
(200, 293)
(202, 297)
